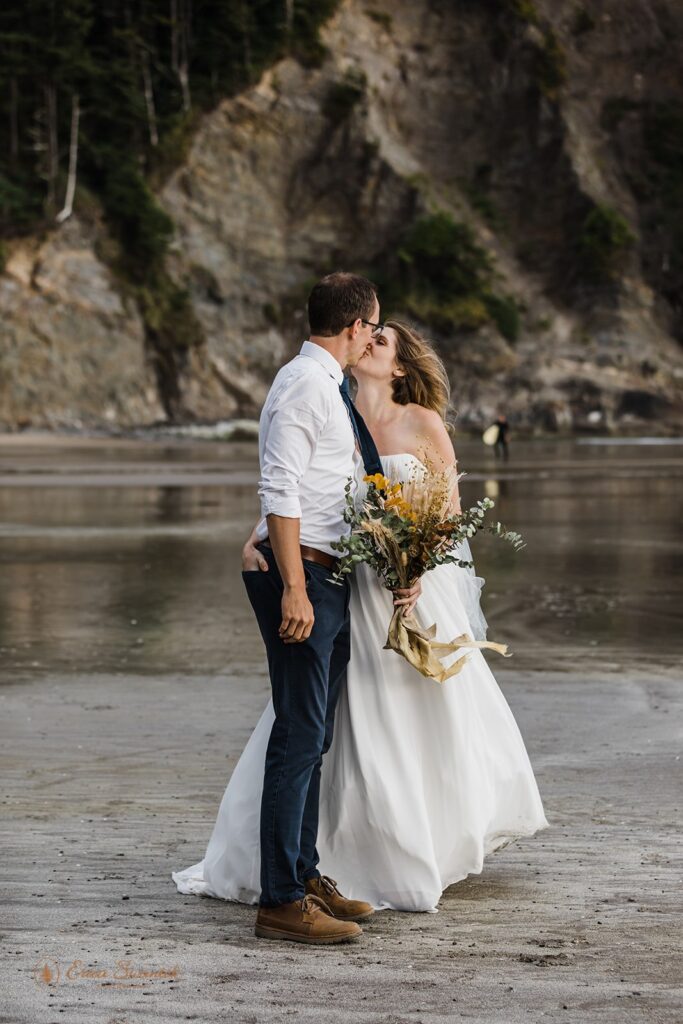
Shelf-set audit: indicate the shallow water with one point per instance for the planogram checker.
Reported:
(124, 555)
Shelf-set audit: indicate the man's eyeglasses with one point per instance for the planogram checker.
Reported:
(376, 328)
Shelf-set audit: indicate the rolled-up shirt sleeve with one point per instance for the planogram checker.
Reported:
(290, 441)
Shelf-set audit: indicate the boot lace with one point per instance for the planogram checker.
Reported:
(310, 903)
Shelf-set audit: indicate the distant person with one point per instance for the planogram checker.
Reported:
(500, 445)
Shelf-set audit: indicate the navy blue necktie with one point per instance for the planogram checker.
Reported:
(368, 448)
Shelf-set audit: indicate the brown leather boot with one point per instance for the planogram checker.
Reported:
(304, 920)
(325, 889)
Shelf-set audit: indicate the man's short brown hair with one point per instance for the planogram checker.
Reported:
(337, 300)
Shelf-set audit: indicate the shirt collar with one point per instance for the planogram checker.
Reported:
(325, 358)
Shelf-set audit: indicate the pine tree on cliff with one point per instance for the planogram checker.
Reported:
(45, 62)
(106, 90)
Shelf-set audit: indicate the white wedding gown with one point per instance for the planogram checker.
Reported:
(422, 780)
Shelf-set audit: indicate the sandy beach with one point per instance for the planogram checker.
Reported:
(119, 732)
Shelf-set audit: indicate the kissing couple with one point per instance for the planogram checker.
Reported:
(395, 785)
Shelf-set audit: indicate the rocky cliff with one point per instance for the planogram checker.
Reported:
(542, 140)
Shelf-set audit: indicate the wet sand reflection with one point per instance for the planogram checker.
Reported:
(121, 555)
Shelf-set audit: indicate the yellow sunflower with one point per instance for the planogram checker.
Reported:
(380, 481)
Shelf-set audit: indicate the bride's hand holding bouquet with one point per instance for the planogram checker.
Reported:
(403, 530)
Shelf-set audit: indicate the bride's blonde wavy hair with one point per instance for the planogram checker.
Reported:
(426, 381)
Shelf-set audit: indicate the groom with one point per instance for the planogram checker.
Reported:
(310, 440)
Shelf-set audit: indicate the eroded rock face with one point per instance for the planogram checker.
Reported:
(73, 351)
(497, 118)
(273, 196)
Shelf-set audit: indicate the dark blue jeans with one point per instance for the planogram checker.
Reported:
(305, 679)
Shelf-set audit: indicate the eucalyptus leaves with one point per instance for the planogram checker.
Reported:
(402, 530)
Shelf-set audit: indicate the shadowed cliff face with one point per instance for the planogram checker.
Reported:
(549, 131)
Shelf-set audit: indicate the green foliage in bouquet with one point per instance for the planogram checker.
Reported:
(404, 530)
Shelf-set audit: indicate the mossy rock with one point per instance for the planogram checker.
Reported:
(343, 96)
(445, 279)
(605, 238)
(550, 65)
(504, 311)
(466, 313)
(442, 256)
(168, 315)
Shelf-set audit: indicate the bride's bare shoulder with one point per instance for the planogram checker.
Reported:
(429, 430)
(427, 419)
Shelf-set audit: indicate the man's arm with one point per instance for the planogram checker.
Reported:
(288, 448)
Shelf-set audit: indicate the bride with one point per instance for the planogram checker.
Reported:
(422, 780)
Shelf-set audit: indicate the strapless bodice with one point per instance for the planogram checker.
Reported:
(397, 468)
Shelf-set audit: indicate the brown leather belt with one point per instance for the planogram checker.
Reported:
(313, 555)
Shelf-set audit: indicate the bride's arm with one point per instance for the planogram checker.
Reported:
(436, 444)
(433, 440)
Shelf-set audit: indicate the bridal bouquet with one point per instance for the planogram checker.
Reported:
(403, 531)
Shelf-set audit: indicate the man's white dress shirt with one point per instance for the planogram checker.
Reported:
(307, 448)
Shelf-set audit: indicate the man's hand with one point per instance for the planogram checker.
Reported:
(406, 597)
(297, 610)
(252, 557)
(297, 615)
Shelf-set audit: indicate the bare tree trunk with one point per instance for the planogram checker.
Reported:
(184, 61)
(73, 161)
(185, 85)
(289, 16)
(149, 98)
(52, 143)
(14, 120)
(180, 15)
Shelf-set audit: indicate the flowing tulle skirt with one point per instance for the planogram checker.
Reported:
(422, 781)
